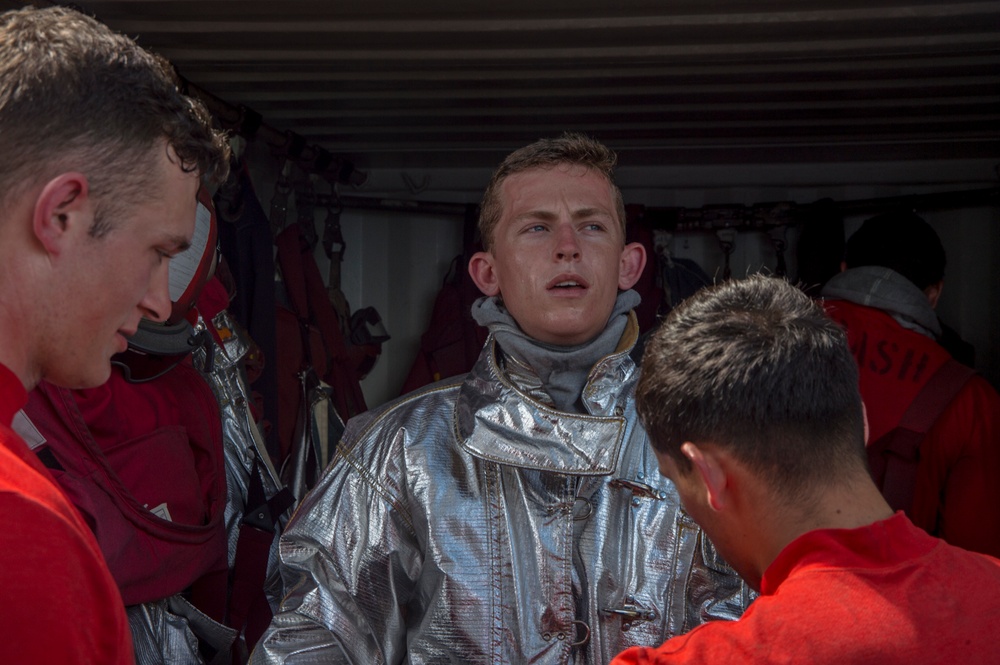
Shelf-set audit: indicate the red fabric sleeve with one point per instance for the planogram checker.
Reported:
(58, 602)
(958, 479)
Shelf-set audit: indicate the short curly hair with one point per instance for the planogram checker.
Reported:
(570, 148)
(74, 95)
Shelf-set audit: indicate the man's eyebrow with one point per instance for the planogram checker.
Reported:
(592, 212)
(582, 213)
(536, 214)
(179, 243)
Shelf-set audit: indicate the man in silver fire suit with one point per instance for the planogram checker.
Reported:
(513, 515)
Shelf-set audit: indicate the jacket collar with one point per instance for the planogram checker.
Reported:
(500, 417)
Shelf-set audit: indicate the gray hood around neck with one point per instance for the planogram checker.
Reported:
(887, 290)
(562, 370)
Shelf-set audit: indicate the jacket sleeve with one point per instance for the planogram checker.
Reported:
(349, 560)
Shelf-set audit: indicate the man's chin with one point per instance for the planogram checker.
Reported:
(121, 343)
(567, 336)
(90, 377)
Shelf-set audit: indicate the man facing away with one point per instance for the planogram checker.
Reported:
(749, 394)
(935, 425)
(101, 163)
(515, 514)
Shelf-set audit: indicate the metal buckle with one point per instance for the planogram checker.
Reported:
(586, 634)
(638, 489)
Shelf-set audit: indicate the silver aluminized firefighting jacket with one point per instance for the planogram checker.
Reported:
(470, 523)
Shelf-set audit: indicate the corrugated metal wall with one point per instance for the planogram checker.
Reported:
(398, 83)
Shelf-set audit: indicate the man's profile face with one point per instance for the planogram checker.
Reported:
(113, 281)
(693, 493)
(684, 482)
(558, 257)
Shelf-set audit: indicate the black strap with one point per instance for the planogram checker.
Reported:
(261, 512)
(253, 548)
(48, 458)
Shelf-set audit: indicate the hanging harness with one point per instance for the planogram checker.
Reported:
(318, 384)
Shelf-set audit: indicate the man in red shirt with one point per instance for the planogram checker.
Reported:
(948, 478)
(750, 397)
(101, 162)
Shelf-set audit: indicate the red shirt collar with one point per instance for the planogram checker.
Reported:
(890, 540)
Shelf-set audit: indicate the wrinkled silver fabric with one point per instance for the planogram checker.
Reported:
(167, 631)
(241, 437)
(469, 523)
(163, 633)
(160, 637)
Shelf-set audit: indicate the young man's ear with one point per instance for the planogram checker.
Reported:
(712, 474)
(633, 260)
(933, 293)
(62, 204)
(482, 273)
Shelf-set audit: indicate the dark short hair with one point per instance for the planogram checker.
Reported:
(900, 240)
(570, 148)
(756, 366)
(74, 95)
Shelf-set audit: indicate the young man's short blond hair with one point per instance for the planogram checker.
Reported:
(571, 149)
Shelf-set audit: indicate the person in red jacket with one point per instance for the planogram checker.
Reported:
(934, 447)
(749, 393)
(101, 162)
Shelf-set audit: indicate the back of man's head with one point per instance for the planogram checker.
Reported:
(902, 241)
(570, 148)
(755, 366)
(75, 96)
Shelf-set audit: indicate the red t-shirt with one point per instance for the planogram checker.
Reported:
(886, 593)
(58, 603)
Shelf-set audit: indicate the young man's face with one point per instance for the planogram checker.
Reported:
(689, 491)
(693, 491)
(558, 257)
(115, 280)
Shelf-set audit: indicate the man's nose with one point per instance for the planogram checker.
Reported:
(567, 244)
(156, 304)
